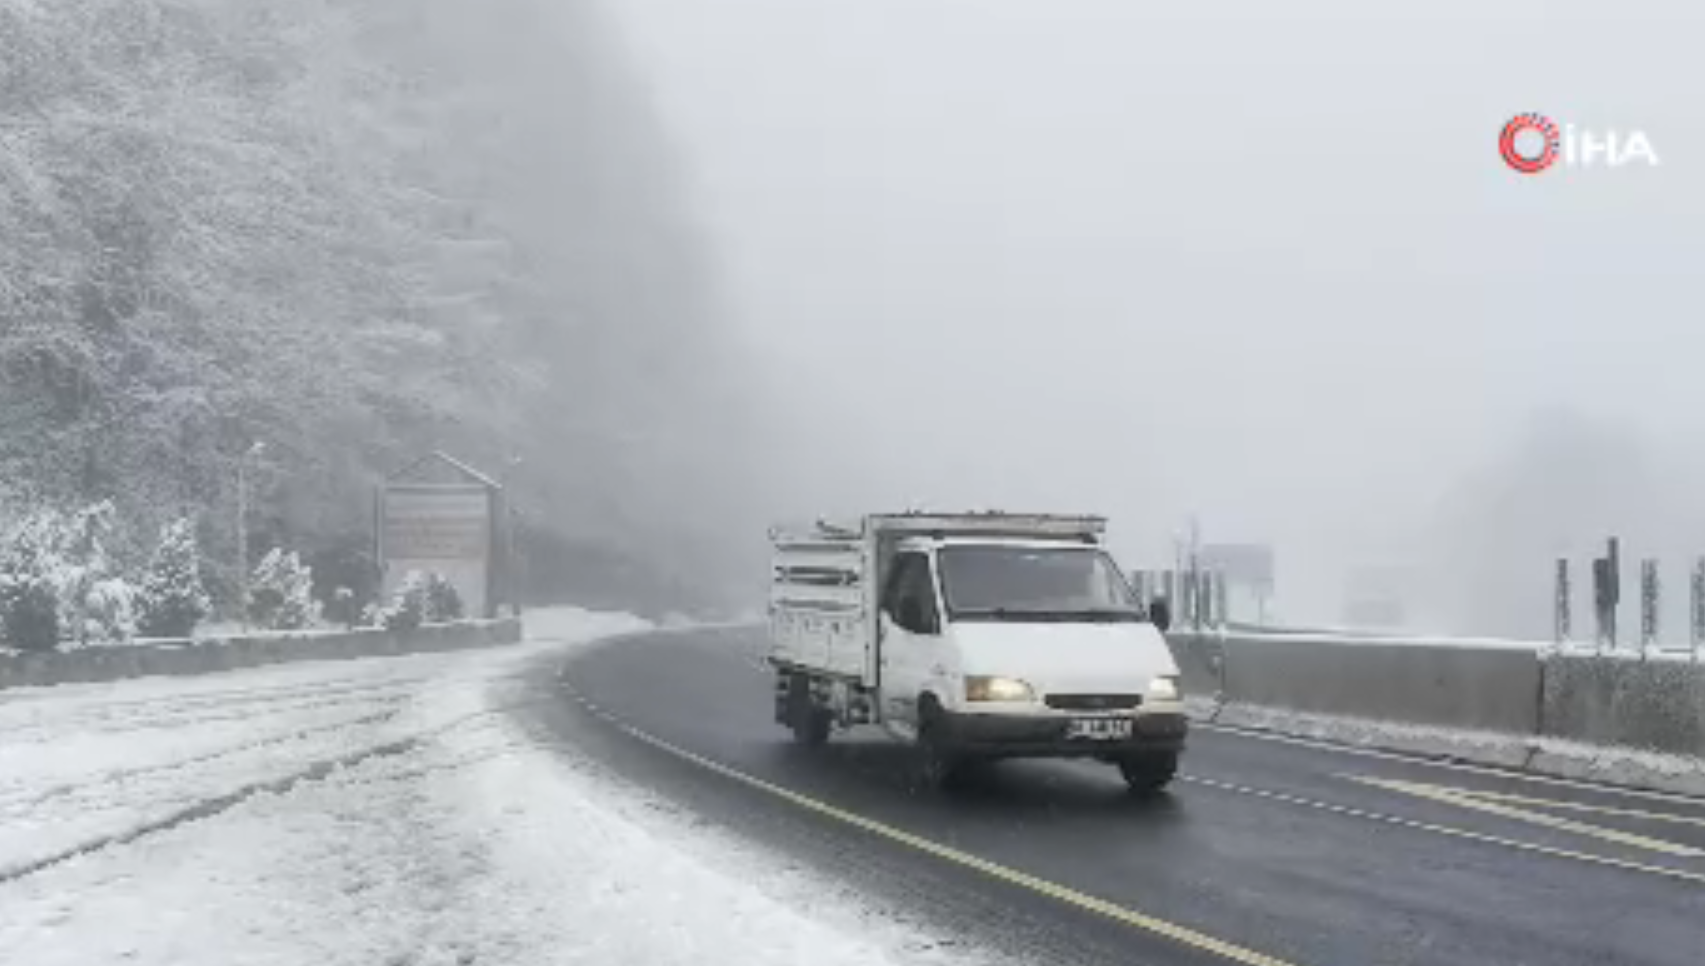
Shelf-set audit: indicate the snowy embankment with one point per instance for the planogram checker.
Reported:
(369, 812)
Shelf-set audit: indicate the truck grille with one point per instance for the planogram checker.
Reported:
(1093, 702)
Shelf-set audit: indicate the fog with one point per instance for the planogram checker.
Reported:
(1257, 262)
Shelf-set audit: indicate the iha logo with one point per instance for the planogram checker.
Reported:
(1532, 143)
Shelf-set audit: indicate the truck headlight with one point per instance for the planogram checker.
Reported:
(1165, 688)
(984, 688)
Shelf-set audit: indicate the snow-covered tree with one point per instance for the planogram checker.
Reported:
(109, 611)
(29, 584)
(408, 607)
(172, 601)
(94, 603)
(296, 220)
(281, 592)
(443, 602)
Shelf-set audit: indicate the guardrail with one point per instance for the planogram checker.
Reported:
(209, 656)
(1526, 691)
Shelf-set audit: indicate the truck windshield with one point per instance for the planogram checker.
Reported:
(1022, 582)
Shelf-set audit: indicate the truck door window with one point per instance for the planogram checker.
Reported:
(917, 592)
(896, 586)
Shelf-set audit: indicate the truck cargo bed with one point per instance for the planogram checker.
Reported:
(819, 605)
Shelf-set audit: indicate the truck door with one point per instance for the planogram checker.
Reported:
(911, 636)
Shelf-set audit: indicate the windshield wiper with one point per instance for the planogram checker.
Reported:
(1113, 614)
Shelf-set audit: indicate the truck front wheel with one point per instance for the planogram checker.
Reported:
(943, 767)
(1149, 773)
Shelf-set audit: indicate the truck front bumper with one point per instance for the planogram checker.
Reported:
(1037, 736)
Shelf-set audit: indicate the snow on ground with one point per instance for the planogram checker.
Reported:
(1392, 639)
(374, 813)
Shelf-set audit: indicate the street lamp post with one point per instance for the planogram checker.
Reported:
(243, 532)
(511, 556)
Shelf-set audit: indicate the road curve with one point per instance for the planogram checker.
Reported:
(1267, 851)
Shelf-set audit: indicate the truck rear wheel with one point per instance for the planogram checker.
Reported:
(1149, 773)
(810, 724)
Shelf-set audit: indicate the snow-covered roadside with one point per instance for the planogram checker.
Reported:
(1545, 756)
(374, 812)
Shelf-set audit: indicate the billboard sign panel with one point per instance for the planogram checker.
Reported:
(443, 529)
(1244, 564)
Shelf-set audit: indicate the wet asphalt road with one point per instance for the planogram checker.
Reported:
(1266, 851)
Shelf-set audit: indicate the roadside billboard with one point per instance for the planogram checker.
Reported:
(1247, 565)
(448, 529)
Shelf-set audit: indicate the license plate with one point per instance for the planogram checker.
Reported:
(1099, 729)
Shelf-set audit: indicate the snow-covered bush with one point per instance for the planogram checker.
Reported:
(422, 598)
(109, 611)
(281, 593)
(443, 602)
(95, 606)
(172, 600)
(29, 585)
(407, 609)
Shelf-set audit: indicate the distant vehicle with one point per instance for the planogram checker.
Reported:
(975, 637)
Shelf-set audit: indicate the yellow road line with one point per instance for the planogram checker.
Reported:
(1470, 799)
(1052, 890)
(1456, 833)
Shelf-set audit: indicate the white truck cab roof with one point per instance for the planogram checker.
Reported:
(1032, 543)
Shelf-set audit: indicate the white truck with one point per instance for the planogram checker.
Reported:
(976, 637)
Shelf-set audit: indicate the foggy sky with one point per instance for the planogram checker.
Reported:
(1258, 261)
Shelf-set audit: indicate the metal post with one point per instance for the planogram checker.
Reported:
(242, 543)
(1198, 594)
(1697, 611)
(243, 533)
(517, 559)
(511, 562)
(1563, 609)
(1613, 571)
(1223, 600)
(1648, 605)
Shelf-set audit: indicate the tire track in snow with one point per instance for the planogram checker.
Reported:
(13, 802)
(212, 806)
(207, 808)
(194, 712)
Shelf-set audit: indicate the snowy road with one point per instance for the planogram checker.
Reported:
(367, 813)
(1267, 851)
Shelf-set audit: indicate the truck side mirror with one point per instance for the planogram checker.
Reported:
(1160, 612)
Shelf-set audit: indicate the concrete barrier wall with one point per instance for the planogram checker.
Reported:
(184, 658)
(1527, 707)
(1409, 681)
(1653, 705)
(1200, 660)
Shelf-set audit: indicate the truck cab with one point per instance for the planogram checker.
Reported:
(989, 638)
